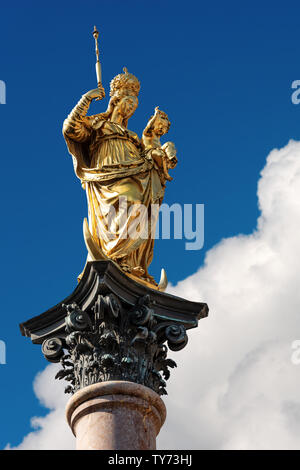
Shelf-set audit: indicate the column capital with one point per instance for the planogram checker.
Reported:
(111, 328)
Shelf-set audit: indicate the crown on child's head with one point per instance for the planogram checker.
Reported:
(125, 84)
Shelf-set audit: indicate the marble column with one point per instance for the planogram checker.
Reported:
(116, 415)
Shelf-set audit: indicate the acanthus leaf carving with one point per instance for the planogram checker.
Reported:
(113, 341)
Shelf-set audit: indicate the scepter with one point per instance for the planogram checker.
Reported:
(98, 65)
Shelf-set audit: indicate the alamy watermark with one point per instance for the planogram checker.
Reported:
(2, 92)
(2, 352)
(295, 97)
(136, 221)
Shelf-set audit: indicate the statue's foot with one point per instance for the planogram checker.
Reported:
(140, 274)
(125, 267)
(151, 280)
(138, 271)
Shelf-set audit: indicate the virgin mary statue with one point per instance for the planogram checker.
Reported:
(121, 184)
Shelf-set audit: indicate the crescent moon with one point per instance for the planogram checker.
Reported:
(163, 283)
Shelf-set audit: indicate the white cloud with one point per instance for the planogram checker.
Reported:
(51, 431)
(235, 386)
(245, 394)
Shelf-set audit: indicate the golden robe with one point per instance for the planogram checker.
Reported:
(108, 160)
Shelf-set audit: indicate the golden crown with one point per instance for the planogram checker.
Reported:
(125, 83)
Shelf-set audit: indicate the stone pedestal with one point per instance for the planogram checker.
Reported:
(111, 337)
(116, 415)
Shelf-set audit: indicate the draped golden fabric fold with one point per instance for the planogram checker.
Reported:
(109, 161)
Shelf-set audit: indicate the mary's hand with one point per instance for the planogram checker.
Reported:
(96, 94)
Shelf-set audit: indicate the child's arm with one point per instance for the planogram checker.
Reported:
(148, 131)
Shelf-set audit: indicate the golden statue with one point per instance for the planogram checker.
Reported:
(124, 177)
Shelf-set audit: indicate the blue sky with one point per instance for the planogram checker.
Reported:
(221, 71)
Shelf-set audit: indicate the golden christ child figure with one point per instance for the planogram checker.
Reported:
(163, 156)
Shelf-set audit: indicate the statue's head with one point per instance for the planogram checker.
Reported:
(124, 90)
(124, 84)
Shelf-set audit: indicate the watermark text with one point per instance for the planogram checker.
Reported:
(2, 92)
(295, 97)
(2, 352)
(136, 221)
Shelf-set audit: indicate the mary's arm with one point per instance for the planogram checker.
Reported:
(77, 126)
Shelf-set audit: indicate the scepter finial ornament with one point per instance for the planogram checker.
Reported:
(95, 33)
